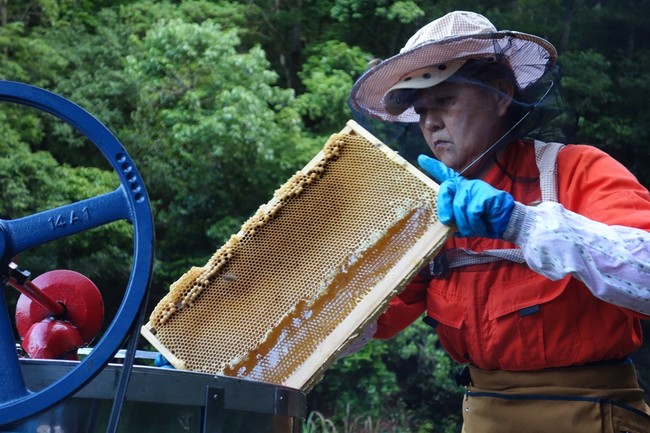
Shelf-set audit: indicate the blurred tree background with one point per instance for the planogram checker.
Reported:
(219, 102)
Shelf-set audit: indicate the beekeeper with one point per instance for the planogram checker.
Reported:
(542, 289)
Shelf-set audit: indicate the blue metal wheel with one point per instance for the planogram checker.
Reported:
(128, 202)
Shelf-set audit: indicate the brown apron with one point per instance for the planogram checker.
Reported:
(589, 399)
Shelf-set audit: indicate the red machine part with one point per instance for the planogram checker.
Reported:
(47, 335)
(51, 339)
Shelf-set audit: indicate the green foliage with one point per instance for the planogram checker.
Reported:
(404, 385)
(401, 11)
(316, 422)
(224, 136)
(589, 86)
(21, 171)
(404, 12)
(427, 372)
(359, 384)
(20, 48)
(342, 10)
(545, 19)
(328, 75)
(92, 78)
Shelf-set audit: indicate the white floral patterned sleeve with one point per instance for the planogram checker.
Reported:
(612, 261)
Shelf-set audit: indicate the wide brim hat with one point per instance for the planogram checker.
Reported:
(449, 41)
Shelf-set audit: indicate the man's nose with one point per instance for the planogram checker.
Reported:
(433, 121)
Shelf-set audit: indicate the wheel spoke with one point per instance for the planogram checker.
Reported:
(53, 224)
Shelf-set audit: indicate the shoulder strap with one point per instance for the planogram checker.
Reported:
(546, 159)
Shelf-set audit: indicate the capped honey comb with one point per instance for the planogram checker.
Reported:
(295, 286)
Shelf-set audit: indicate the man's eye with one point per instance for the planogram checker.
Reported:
(443, 102)
(434, 104)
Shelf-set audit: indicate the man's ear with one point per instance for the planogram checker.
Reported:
(506, 89)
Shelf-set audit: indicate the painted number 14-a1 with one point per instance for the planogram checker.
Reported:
(62, 221)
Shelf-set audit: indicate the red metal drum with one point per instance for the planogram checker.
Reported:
(81, 321)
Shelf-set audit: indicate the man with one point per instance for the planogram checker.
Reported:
(542, 289)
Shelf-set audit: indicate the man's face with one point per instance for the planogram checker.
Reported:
(460, 121)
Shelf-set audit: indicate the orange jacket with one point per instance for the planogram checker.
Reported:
(505, 316)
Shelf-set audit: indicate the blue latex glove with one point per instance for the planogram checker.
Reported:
(475, 207)
(162, 362)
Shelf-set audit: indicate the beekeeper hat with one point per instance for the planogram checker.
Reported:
(436, 52)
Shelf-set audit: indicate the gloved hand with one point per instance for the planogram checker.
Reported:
(162, 362)
(475, 207)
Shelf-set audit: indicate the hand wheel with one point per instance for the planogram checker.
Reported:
(128, 202)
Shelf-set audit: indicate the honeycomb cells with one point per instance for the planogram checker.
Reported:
(269, 301)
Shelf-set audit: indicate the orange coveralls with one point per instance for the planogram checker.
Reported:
(503, 315)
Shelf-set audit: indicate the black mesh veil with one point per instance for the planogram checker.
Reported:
(405, 138)
(548, 117)
(537, 111)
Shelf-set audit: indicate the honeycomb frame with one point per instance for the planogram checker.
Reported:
(292, 289)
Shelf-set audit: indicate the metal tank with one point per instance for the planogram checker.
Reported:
(161, 400)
